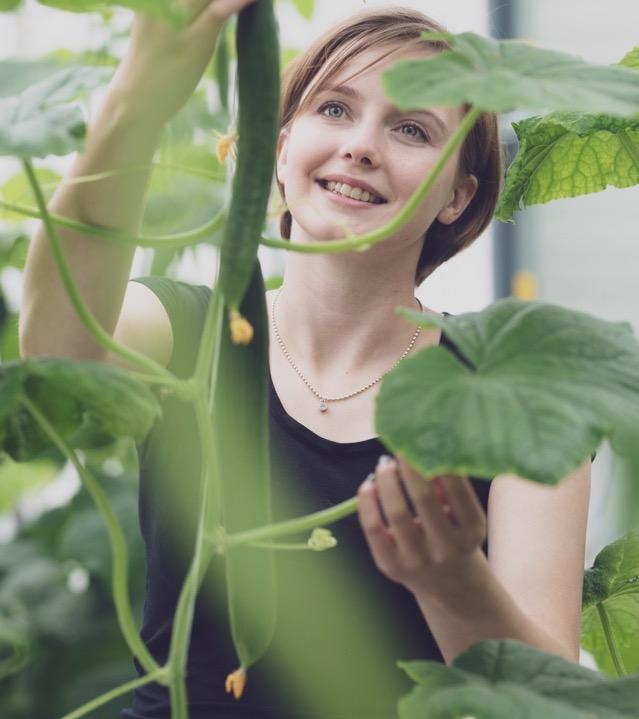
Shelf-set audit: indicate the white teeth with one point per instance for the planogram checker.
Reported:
(354, 192)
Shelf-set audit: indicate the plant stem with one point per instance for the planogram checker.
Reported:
(183, 619)
(211, 331)
(94, 177)
(293, 526)
(282, 545)
(363, 242)
(631, 147)
(119, 580)
(610, 640)
(114, 693)
(162, 242)
(89, 321)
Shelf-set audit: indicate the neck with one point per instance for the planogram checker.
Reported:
(339, 326)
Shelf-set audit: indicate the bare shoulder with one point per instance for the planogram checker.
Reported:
(143, 326)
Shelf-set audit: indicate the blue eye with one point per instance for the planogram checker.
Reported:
(326, 105)
(416, 127)
(339, 106)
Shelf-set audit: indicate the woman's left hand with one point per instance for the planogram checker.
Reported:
(428, 549)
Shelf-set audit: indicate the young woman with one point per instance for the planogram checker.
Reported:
(412, 577)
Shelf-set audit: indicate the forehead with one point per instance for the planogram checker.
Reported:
(379, 59)
(366, 64)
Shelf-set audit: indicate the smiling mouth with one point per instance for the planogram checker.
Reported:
(371, 201)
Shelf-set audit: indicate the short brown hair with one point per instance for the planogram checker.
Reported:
(480, 155)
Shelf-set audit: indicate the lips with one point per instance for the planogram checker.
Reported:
(345, 199)
(353, 182)
(324, 185)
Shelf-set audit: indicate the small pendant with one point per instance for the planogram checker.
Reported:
(323, 406)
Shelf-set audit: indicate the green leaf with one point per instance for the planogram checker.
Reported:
(40, 121)
(170, 10)
(631, 58)
(16, 479)
(305, 8)
(221, 66)
(503, 75)
(566, 155)
(17, 190)
(9, 338)
(88, 403)
(4, 315)
(501, 679)
(17, 75)
(613, 581)
(9, 5)
(545, 385)
(13, 248)
(240, 422)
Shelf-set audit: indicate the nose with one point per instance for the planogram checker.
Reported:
(360, 146)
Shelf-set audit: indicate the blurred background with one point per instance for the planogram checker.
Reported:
(579, 253)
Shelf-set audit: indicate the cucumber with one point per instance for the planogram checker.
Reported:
(241, 430)
(258, 60)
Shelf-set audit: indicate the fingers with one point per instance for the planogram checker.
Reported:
(395, 505)
(439, 524)
(381, 542)
(465, 504)
(449, 507)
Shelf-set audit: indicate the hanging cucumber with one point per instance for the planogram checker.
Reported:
(258, 123)
(241, 430)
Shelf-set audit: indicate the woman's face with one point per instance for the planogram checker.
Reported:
(358, 133)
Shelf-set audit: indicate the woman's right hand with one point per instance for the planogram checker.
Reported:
(163, 66)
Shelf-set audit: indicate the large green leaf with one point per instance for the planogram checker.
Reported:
(40, 121)
(611, 587)
(502, 679)
(503, 75)
(17, 75)
(571, 154)
(88, 403)
(544, 387)
(566, 155)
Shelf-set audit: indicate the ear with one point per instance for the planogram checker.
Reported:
(281, 152)
(459, 200)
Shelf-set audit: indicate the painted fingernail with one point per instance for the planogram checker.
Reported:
(370, 478)
(384, 460)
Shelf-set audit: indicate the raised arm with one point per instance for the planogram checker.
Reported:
(158, 74)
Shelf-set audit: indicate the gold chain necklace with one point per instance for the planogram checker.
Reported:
(323, 406)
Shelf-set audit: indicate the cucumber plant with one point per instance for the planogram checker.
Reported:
(233, 353)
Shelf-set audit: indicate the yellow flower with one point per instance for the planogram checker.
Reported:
(241, 330)
(235, 682)
(225, 144)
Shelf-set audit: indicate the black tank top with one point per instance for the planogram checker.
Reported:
(342, 625)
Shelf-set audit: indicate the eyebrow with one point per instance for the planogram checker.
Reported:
(352, 92)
